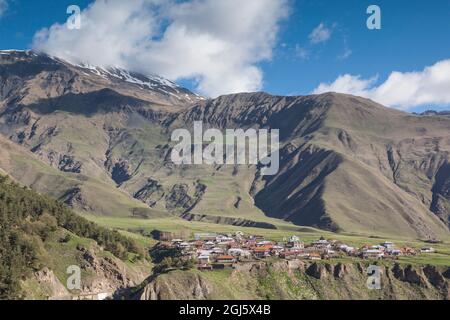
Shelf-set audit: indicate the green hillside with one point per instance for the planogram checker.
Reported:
(34, 227)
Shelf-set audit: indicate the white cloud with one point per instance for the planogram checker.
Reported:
(320, 34)
(218, 43)
(346, 54)
(3, 7)
(402, 90)
(301, 52)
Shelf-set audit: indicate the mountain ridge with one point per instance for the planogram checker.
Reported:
(348, 164)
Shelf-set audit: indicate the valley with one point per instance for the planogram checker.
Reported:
(98, 140)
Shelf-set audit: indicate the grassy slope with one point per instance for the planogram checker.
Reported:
(26, 168)
(37, 232)
(357, 197)
(360, 195)
(187, 229)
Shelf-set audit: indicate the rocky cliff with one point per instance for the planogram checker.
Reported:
(300, 280)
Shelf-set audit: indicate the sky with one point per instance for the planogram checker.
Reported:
(284, 47)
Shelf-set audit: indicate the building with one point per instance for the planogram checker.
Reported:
(288, 255)
(262, 251)
(314, 256)
(235, 252)
(388, 245)
(396, 252)
(322, 244)
(276, 250)
(204, 259)
(372, 254)
(205, 236)
(225, 259)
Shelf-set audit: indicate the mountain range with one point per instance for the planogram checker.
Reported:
(98, 139)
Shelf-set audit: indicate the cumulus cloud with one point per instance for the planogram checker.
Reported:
(402, 90)
(217, 43)
(320, 34)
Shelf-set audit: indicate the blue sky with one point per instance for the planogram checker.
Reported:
(414, 35)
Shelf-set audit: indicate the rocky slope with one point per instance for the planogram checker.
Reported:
(347, 163)
(299, 280)
(40, 240)
(103, 276)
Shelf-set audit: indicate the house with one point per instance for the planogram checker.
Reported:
(288, 255)
(295, 245)
(303, 254)
(225, 259)
(262, 251)
(235, 252)
(277, 249)
(205, 236)
(257, 238)
(314, 256)
(217, 250)
(222, 238)
(322, 243)
(208, 245)
(183, 245)
(372, 254)
(396, 252)
(388, 245)
(409, 251)
(347, 249)
(264, 243)
(197, 244)
(204, 259)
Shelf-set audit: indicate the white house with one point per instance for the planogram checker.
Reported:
(388, 245)
(372, 254)
(203, 259)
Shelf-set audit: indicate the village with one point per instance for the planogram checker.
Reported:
(211, 251)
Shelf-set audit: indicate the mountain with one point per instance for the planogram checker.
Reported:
(30, 77)
(40, 238)
(435, 113)
(99, 140)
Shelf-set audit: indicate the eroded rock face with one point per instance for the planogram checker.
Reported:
(298, 279)
(441, 194)
(74, 198)
(50, 284)
(101, 276)
(428, 276)
(68, 163)
(110, 274)
(435, 277)
(182, 198)
(121, 172)
(151, 193)
(187, 287)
